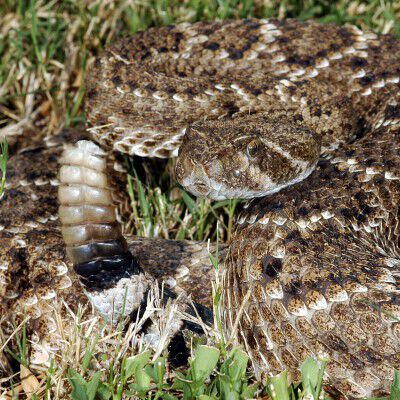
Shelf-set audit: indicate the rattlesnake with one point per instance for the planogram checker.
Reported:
(306, 116)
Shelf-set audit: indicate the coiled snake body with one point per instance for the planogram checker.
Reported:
(302, 115)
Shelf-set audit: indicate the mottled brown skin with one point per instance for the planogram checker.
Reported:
(143, 95)
(321, 263)
(36, 277)
(317, 262)
(309, 255)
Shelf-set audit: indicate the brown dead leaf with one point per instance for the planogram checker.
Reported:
(29, 382)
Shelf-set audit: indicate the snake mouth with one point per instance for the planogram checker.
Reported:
(196, 187)
(193, 177)
(204, 189)
(199, 183)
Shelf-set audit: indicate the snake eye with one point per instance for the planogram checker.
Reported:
(253, 148)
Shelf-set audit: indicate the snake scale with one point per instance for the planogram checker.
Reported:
(304, 119)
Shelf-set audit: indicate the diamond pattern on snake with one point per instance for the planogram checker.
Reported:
(300, 118)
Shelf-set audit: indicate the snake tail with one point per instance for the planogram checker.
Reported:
(111, 276)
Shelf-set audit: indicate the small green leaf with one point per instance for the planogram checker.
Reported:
(224, 386)
(136, 362)
(277, 386)
(103, 392)
(92, 386)
(179, 382)
(190, 203)
(86, 359)
(78, 385)
(188, 392)
(167, 396)
(204, 362)
(3, 163)
(237, 369)
(142, 381)
(395, 388)
(3, 154)
(159, 372)
(309, 375)
(249, 392)
(232, 395)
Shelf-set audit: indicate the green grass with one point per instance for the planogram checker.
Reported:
(45, 49)
(162, 209)
(109, 366)
(3, 164)
(209, 376)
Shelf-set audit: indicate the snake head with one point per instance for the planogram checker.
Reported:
(245, 157)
